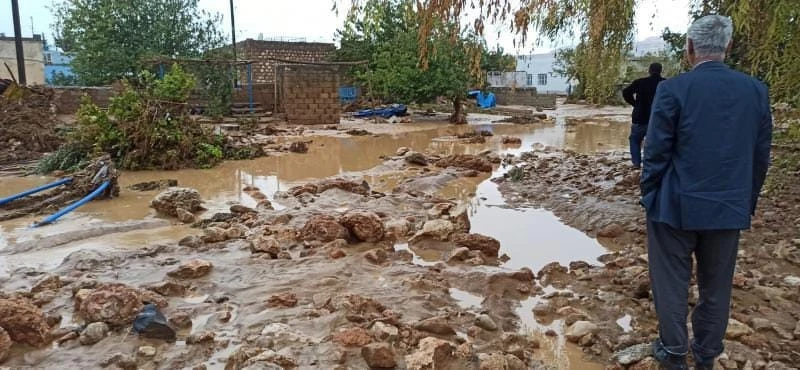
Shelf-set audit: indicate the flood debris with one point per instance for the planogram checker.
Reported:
(151, 323)
(177, 202)
(28, 123)
(154, 185)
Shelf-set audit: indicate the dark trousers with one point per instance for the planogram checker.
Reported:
(669, 253)
(638, 132)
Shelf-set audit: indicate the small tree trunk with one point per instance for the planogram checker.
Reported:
(458, 117)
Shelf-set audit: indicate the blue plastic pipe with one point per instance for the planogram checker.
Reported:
(25, 193)
(73, 206)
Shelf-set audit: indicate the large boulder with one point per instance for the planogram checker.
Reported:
(114, 304)
(168, 201)
(580, 329)
(192, 269)
(438, 229)
(323, 228)
(485, 244)
(467, 161)
(433, 353)
(24, 322)
(379, 356)
(364, 226)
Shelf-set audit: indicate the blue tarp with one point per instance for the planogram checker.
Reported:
(385, 112)
(485, 100)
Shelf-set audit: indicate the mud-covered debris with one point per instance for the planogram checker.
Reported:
(181, 320)
(352, 337)
(5, 344)
(379, 356)
(633, 354)
(240, 209)
(437, 229)
(433, 353)
(201, 337)
(336, 253)
(416, 158)
(435, 325)
(282, 300)
(376, 256)
(192, 269)
(611, 230)
(24, 322)
(269, 359)
(364, 226)
(383, 331)
(93, 333)
(146, 351)
(213, 234)
(323, 228)
(298, 147)
(151, 323)
(49, 282)
(184, 216)
(352, 186)
(485, 322)
(401, 151)
(122, 361)
(737, 329)
(168, 201)
(358, 132)
(266, 244)
(512, 140)
(467, 161)
(114, 304)
(485, 244)
(579, 329)
(154, 185)
(236, 231)
(397, 228)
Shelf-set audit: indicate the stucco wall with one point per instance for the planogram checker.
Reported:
(33, 51)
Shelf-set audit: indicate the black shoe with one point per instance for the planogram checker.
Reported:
(668, 361)
(704, 366)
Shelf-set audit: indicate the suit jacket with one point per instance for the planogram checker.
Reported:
(644, 89)
(707, 149)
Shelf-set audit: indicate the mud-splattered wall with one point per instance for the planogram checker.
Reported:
(67, 99)
(309, 94)
(523, 96)
(262, 52)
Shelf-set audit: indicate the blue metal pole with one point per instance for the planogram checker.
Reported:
(11, 198)
(161, 70)
(73, 206)
(250, 85)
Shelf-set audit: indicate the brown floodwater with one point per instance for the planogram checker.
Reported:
(530, 237)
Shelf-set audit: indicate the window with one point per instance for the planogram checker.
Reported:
(495, 73)
(48, 59)
(530, 79)
(542, 79)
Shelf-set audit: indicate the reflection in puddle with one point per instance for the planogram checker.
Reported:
(425, 258)
(466, 299)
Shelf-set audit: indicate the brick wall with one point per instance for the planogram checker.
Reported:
(310, 94)
(260, 51)
(263, 94)
(523, 96)
(67, 99)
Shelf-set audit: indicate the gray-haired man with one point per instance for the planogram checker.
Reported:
(705, 160)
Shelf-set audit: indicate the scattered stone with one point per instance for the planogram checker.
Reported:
(24, 322)
(213, 234)
(379, 356)
(487, 245)
(168, 201)
(358, 132)
(5, 344)
(122, 361)
(266, 244)
(579, 329)
(376, 256)
(181, 320)
(201, 337)
(416, 158)
(169, 288)
(397, 228)
(792, 281)
(401, 151)
(236, 231)
(383, 331)
(512, 140)
(184, 216)
(283, 300)
(485, 322)
(648, 363)
(191, 241)
(433, 354)
(115, 304)
(94, 333)
(466, 161)
(336, 253)
(760, 324)
(146, 351)
(611, 230)
(49, 282)
(352, 337)
(323, 228)
(192, 269)
(364, 226)
(737, 329)
(154, 185)
(298, 147)
(437, 229)
(633, 354)
(435, 325)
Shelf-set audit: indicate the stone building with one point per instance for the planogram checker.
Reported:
(262, 52)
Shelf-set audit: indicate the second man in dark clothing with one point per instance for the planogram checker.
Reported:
(640, 95)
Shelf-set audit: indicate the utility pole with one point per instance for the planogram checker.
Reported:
(18, 43)
(233, 32)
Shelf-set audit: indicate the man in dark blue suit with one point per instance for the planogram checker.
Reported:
(705, 159)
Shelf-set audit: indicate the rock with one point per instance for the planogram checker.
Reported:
(401, 151)
(383, 331)
(611, 230)
(737, 329)
(201, 337)
(323, 228)
(466, 161)
(93, 333)
(460, 217)
(184, 216)
(181, 320)
(151, 323)
(487, 245)
(49, 282)
(5, 344)
(266, 244)
(146, 351)
(122, 361)
(298, 147)
(376, 256)
(114, 304)
(493, 361)
(283, 300)
(24, 322)
(512, 140)
(648, 363)
(435, 325)
(459, 254)
(397, 228)
(792, 281)
(191, 269)
(191, 241)
(633, 354)
(379, 356)
(437, 229)
(352, 337)
(485, 322)
(168, 288)
(213, 234)
(336, 253)
(236, 231)
(364, 226)
(760, 324)
(416, 158)
(579, 329)
(154, 185)
(433, 354)
(240, 209)
(269, 360)
(168, 201)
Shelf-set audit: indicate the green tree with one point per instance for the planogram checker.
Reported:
(497, 60)
(110, 38)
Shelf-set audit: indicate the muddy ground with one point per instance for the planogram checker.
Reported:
(379, 250)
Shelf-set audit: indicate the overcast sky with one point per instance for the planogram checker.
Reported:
(314, 20)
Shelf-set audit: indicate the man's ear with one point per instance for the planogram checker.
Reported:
(730, 46)
(689, 47)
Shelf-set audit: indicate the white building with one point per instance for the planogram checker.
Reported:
(538, 69)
